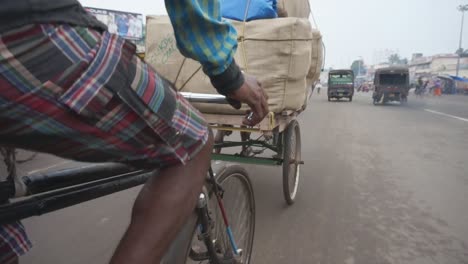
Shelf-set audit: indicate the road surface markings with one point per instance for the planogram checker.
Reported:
(447, 115)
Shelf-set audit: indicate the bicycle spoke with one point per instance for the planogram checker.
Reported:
(238, 202)
(293, 166)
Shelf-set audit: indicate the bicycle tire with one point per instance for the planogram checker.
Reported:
(291, 159)
(180, 249)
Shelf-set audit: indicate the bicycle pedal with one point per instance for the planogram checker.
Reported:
(257, 152)
(246, 152)
(232, 260)
(203, 236)
(198, 256)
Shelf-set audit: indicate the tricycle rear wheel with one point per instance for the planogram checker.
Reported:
(291, 161)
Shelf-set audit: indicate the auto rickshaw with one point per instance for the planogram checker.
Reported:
(391, 84)
(341, 84)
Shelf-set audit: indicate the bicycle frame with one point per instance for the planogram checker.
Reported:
(58, 190)
(51, 192)
(203, 216)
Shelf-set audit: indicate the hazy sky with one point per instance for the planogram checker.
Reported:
(362, 27)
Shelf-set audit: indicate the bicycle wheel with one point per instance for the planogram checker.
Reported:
(291, 159)
(239, 203)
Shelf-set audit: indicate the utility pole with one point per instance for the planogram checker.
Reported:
(462, 9)
(359, 69)
(361, 60)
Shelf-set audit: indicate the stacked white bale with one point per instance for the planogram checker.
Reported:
(295, 8)
(285, 54)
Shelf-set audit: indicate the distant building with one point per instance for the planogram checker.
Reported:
(416, 56)
(420, 67)
(382, 55)
(440, 64)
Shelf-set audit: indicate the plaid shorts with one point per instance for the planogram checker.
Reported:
(13, 242)
(84, 95)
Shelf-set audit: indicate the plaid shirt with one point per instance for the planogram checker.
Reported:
(13, 242)
(96, 97)
(200, 22)
(83, 94)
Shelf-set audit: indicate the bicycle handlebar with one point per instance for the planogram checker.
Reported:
(204, 98)
(213, 99)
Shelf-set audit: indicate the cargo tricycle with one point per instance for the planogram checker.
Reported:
(278, 132)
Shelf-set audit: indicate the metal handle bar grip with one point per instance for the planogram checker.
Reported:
(212, 99)
(205, 98)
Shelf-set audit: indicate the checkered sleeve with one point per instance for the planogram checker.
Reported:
(201, 33)
(13, 241)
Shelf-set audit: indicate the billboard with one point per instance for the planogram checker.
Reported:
(125, 24)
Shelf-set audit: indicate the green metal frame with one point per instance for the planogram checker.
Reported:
(250, 143)
(247, 160)
(237, 158)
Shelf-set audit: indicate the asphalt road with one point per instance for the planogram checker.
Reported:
(380, 184)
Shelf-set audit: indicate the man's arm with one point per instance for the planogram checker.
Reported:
(203, 36)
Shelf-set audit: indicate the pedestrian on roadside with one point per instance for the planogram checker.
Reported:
(420, 81)
(422, 88)
(318, 86)
(438, 88)
(419, 86)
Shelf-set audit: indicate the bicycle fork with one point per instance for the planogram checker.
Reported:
(230, 257)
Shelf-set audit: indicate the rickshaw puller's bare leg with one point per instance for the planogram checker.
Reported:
(161, 209)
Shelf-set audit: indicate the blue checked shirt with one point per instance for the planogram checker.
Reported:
(201, 33)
